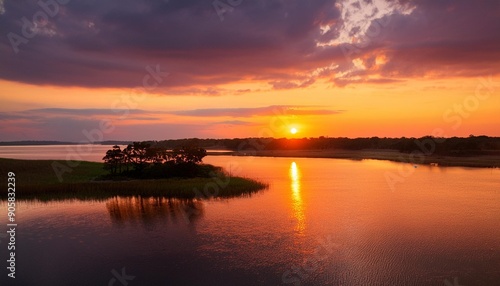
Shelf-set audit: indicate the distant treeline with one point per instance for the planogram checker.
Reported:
(472, 145)
(455, 146)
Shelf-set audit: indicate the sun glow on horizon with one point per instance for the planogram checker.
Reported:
(293, 130)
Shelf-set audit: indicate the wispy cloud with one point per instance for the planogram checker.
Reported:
(258, 111)
(139, 114)
(69, 123)
(74, 124)
(235, 122)
(84, 111)
(76, 113)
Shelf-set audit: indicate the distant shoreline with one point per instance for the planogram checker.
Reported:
(473, 151)
(58, 143)
(476, 161)
(472, 161)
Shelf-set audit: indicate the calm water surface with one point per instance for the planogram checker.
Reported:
(321, 222)
(85, 152)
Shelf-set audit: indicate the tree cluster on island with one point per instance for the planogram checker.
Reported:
(145, 160)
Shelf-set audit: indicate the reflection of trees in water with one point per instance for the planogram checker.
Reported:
(154, 209)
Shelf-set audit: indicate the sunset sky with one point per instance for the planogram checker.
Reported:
(164, 69)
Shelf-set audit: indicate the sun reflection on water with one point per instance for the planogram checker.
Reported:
(298, 208)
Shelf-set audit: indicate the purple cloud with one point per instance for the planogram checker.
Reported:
(109, 43)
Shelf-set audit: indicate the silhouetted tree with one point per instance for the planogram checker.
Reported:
(138, 154)
(113, 160)
(141, 155)
(188, 155)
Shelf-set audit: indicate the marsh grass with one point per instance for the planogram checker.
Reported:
(36, 179)
(40, 172)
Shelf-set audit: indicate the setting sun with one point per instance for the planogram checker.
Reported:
(293, 130)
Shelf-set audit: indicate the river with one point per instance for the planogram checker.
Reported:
(321, 222)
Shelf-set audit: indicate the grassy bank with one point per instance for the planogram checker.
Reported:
(37, 179)
(484, 161)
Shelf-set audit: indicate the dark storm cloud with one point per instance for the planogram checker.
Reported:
(110, 43)
(449, 38)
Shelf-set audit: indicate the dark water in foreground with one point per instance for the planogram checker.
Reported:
(321, 222)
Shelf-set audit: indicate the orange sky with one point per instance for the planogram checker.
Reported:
(416, 108)
(340, 69)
